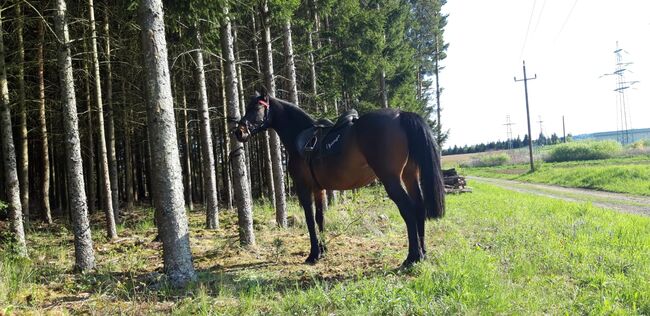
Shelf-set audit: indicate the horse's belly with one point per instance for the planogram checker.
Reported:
(348, 170)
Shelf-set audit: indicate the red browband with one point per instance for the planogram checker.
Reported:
(262, 102)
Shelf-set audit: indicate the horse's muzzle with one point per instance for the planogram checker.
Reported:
(241, 132)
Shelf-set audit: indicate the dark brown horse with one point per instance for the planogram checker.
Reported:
(395, 146)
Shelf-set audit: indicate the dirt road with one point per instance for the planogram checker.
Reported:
(617, 201)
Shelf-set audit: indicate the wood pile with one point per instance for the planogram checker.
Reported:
(454, 183)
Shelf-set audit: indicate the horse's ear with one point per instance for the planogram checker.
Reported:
(257, 94)
(263, 92)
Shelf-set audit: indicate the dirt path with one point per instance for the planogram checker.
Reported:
(617, 201)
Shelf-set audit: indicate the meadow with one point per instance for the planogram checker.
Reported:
(495, 252)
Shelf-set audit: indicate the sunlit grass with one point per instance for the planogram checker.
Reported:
(496, 252)
(625, 175)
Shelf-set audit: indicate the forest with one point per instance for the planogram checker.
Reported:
(111, 106)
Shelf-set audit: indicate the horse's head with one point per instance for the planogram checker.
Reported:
(256, 119)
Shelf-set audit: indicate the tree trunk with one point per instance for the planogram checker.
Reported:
(242, 98)
(436, 70)
(110, 122)
(209, 175)
(189, 201)
(291, 65)
(274, 143)
(9, 155)
(225, 167)
(111, 230)
(42, 124)
(128, 152)
(22, 107)
(312, 73)
(237, 161)
(91, 176)
(84, 253)
(382, 88)
(167, 180)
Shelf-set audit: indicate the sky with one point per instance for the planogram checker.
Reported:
(568, 44)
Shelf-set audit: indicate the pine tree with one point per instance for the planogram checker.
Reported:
(167, 180)
(9, 155)
(84, 253)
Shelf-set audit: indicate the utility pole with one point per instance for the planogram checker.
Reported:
(530, 138)
(541, 129)
(508, 126)
(563, 130)
(623, 116)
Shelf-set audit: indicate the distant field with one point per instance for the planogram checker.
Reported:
(495, 252)
(625, 175)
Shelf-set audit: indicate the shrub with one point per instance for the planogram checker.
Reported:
(588, 150)
(492, 160)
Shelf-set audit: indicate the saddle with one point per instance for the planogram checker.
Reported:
(325, 137)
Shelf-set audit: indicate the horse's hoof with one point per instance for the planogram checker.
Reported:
(311, 260)
(411, 260)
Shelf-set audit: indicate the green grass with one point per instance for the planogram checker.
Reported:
(625, 175)
(496, 252)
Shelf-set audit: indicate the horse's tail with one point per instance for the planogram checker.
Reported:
(424, 150)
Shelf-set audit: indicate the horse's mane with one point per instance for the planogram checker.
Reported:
(295, 112)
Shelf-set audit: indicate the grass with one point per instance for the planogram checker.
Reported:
(496, 252)
(624, 175)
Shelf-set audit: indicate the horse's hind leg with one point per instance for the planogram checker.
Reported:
(396, 192)
(412, 183)
(319, 202)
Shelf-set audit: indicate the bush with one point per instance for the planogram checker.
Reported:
(577, 151)
(641, 144)
(492, 160)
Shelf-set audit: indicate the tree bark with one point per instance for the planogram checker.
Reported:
(9, 155)
(167, 181)
(111, 230)
(110, 122)
(382, 88)
(312, 73)
(209, 175)
(291, 65)
(91, 176)
(225, 166)
(22, 107)
(242, 97)
(42, 124)
(189, 201)
(237, 161)
(128, 152)
(84, 253)
(274, 143)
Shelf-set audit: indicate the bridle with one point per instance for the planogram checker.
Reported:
(256, 127)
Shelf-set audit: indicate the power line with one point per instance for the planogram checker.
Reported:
(530, 20)
(566, 20)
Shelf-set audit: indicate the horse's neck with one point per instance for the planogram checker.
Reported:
(288, 122)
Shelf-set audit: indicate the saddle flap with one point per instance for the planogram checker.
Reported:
(325, 138)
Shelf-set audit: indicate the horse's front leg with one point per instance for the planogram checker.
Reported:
(319, 202)
(306, 200)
